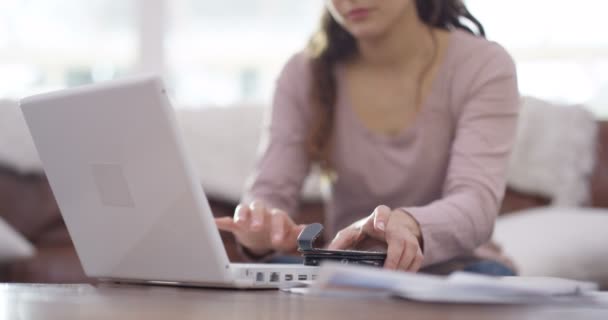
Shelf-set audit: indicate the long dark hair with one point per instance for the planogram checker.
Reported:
(332, 44)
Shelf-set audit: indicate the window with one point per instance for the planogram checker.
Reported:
(47, 45)
(230, 52)
(559, 46)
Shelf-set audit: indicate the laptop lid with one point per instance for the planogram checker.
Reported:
(130, 198)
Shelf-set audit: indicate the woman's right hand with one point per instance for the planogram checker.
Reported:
(261, 229)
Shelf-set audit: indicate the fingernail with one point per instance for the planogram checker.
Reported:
(381, 226)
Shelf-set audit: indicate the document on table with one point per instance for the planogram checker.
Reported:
(460, 287)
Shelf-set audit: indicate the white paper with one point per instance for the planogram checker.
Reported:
(533, 285)
(457, 288)
(597, 296)
(296, 290)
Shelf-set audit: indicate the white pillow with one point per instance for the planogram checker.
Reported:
(13, 246)
(554, 152)
(223, 144)
(560, 242)
(17, 148)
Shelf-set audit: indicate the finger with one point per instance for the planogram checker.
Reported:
(296, 229)
(291, 228)
(277, 222)
(381, 215)
(417, 263)
(393, 254)
(292, 232)
(346, 238)
(408, 256)
(257, 210)
(225, 223)
(242, 215)
(290, 238)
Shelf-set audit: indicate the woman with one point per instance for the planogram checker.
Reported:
(413, 116)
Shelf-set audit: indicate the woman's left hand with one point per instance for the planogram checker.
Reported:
(397, 228)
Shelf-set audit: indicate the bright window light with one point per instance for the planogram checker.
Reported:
(224, 53)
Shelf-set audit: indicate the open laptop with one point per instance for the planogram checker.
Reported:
(130, 197)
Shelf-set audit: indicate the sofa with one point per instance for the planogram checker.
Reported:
(28, 205)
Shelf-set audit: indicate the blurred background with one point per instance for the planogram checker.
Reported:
(226, 53)
(220, 60)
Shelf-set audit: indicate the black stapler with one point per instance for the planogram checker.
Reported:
(314, 257)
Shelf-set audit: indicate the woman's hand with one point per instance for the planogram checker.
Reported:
(261, 229)
(397, 228)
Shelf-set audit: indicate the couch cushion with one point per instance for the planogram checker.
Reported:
(12, 245)
(560, 242)
(53, 264)
(515, 201)
(27, 203)
(554, 152)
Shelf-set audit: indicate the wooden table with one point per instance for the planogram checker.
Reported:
(24, 302)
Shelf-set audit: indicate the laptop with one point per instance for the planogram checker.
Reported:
(129, 195)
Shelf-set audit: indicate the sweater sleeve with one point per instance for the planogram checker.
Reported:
(283, 164)
(464, 217)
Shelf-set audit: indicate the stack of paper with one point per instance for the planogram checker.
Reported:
(457, 288)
